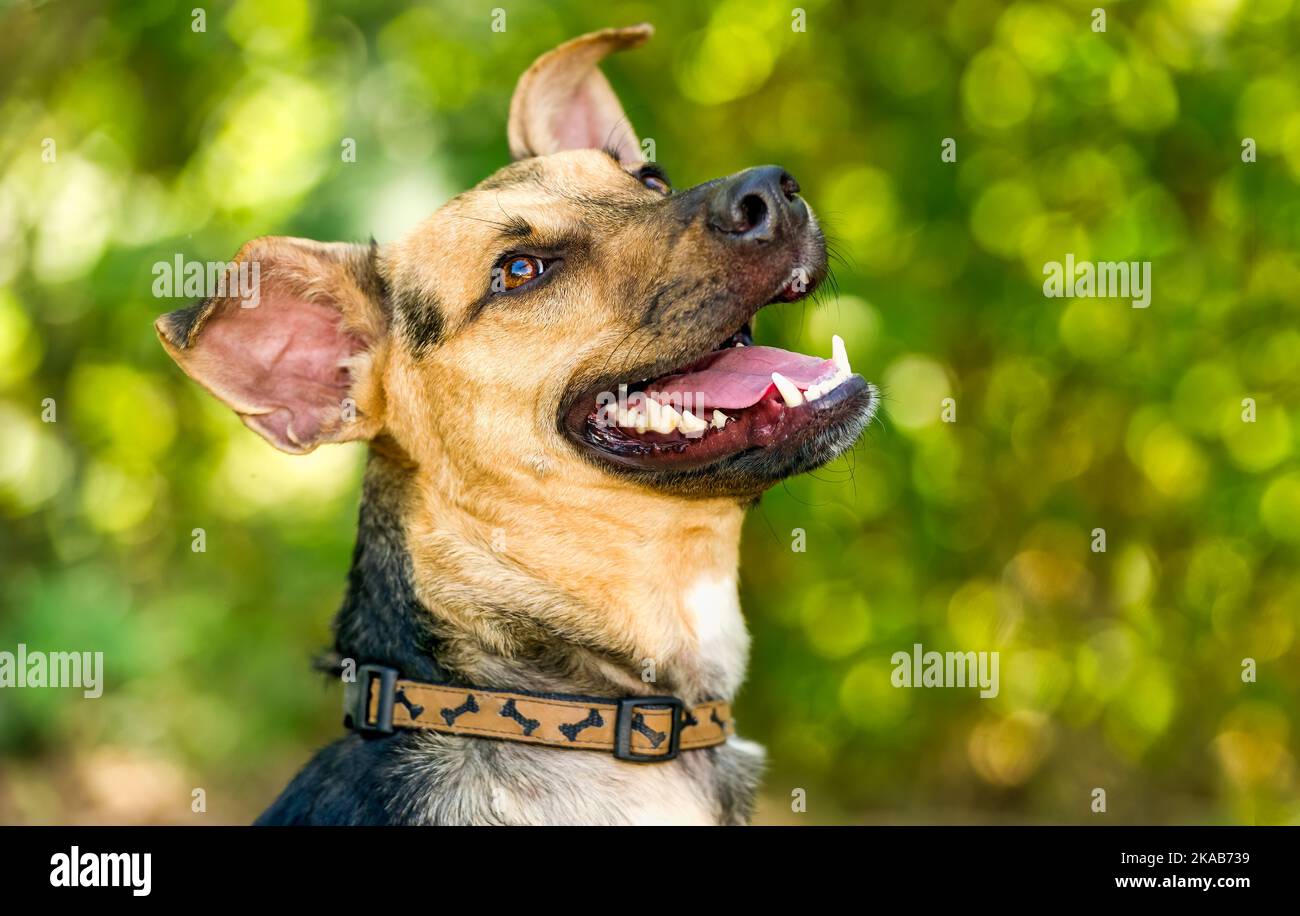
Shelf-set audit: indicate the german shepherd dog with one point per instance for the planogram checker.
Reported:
(566, 418)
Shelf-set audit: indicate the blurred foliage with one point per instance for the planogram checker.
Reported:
(1120, 670)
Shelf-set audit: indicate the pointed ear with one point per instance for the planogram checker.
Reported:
(291, 342)
(563, 101)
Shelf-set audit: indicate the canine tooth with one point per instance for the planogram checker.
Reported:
(840, 354)
(719, 419)
(692, 424)
(789, 390)
(739, 344)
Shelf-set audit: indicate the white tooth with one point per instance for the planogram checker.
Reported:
(719, 419)
(840, 354)
(739, 344)
(813, 393)
(664, 419)
(789, 390)
(692, 425)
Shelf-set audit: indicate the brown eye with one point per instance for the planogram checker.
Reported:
(520, 269)
(655, 183)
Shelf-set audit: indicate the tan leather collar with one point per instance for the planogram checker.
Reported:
(642, 729)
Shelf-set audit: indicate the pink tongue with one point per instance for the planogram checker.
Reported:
(739, 377)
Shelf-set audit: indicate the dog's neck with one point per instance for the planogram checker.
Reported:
(538, 584)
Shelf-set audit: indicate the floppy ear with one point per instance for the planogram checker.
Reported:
(290, 342)
(563, 101)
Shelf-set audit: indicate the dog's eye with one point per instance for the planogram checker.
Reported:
(656, 183)
(519, 269)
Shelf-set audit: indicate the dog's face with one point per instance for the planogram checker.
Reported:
(570, 315)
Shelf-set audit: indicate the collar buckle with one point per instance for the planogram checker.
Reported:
(356, 700)
(626, 718)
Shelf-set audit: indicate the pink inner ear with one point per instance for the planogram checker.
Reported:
(281, 365)
(593, 119)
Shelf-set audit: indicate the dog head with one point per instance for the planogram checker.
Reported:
(570, 315)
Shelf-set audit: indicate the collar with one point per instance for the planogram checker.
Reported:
(643, 729)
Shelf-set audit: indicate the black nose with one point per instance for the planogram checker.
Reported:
(757, 205)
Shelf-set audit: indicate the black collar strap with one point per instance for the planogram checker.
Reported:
(642, 729)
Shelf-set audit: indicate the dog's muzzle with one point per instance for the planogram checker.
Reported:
(642, 729)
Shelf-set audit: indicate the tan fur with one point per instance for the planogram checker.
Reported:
(478, 416)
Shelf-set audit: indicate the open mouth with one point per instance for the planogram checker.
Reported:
(734, 399)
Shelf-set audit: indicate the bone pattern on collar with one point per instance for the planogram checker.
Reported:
(581, 723)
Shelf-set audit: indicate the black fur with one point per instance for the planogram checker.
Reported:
(381, 620)
(420, 319)
(180, 324)
(355, 780)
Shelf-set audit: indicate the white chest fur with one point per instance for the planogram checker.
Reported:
(713, 605)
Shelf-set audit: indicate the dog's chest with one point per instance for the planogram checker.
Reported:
(471, 781)
(712, 606)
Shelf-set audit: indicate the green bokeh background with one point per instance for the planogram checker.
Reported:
(1120, 670)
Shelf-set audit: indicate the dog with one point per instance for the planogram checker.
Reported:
(567, 418)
